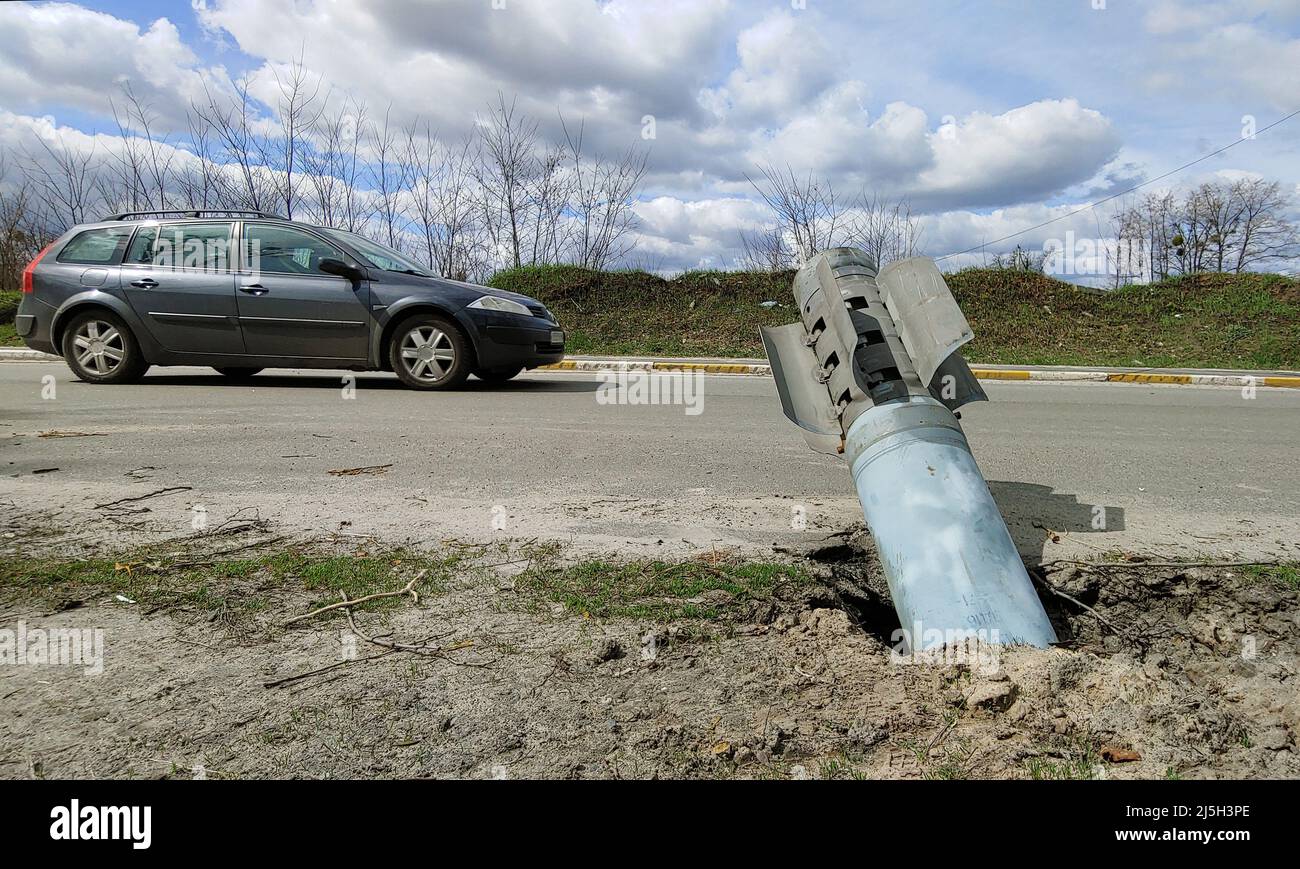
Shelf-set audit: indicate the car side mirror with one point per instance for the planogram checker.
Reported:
(332, 266)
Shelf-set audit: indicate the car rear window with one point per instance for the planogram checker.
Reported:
(96, 246)
(203, 246)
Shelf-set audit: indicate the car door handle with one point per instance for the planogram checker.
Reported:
(253, 289)
(145, 283)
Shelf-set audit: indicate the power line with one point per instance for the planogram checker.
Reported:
(1121, 193)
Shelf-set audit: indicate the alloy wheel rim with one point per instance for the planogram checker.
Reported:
(428, 353)
(99, 347)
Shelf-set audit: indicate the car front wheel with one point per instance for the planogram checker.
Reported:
(429, 352)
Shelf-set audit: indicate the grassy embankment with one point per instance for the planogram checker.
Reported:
(1206, 321)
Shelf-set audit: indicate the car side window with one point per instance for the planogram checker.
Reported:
(141, 252)
(203, 246)
(96, 246)
(284, 250)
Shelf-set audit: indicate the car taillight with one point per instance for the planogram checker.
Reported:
(31, 267)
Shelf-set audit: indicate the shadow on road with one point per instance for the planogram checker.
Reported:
(375, 382)
(1034, 513)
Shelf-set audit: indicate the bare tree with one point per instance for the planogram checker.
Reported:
(389, 178)
(245, 181)
(1218, 226)
(458, 250)
(25, 226)
(507, 140)
(766, 250)
(603, 196)
(141, 174)
(806, 208)
(884, 229)
(334, 166)
(549, 189)
(1132, 255)
(1265, 235)
(443, 205)
(65, 180)
(200, 184)
(297, 110)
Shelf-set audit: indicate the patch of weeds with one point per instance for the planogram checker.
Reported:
(940, 758)
(700, 588)
(954, 763)
(236, 588)
(840, 767)
(1286, 575)
(363, 574)
(1079, 764)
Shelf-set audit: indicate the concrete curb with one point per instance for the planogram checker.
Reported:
(22, 354)
(759, 369)
(762, 369)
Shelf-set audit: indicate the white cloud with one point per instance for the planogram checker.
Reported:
(864, 100)
(66, 55)
(1031, 152)
(1244, 50)
(782, 64)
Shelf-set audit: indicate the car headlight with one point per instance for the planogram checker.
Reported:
(496, 303)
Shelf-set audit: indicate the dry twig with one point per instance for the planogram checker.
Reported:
(409, 588)
(165, 491)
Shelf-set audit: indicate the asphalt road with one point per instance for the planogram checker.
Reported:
(1178, 468)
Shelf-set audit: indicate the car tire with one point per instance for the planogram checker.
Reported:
(430, 352)
(236, 373)
(100, 348)
(498, 375)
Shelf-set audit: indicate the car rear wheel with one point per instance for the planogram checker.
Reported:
(236, 373)
(99, 348)
(429, 352)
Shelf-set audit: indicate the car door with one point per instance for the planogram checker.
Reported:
(180, 281)
(288, 307)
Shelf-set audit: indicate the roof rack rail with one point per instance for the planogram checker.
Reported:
(192, 212)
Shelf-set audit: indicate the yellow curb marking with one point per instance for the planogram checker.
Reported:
(710, 367)
(995, 374)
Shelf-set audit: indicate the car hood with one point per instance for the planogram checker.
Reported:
(445, 287)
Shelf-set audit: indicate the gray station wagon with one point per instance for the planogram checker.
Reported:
(243, 291)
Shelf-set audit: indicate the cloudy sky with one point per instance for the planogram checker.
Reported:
(988, 116)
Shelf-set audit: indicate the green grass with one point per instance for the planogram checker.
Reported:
(168, 576)
(1079, 764)
(659, 590)
(1203, 321)
(243, 585)
(1285, 575)
(635, 313)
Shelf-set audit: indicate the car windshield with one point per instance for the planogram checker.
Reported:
(379, 255)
